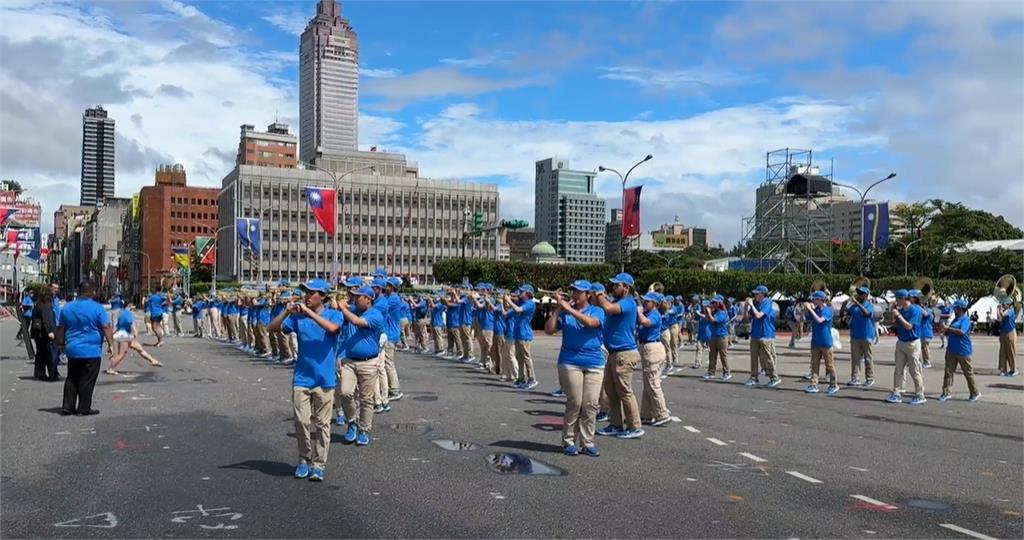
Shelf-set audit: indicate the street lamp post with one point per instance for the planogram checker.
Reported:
(622, 243)
(863, 197)
(149, 269)
(906, 248)
(337, 197)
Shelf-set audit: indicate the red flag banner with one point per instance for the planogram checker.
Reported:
(631, 212)
(321, 202)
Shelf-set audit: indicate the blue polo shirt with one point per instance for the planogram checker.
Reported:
(315, 364)
(791, 314)
(665, 321)
(524, 330)
(703, 328)
(421, 310)
(232, 308)
(197, 309)
(393, 326)
(821, 332)
(510, 324)
(406, 313)
(581, 346)
(763, 328)
(274, 311)
(619, 329)
(453, 315)
(960, 345)
(466, 309)
(652, 333)
(177, 302)
(485, 318)
(116, 302)
(1009, 323)
(125, 321)
(862, 326)
(720, 324)
(364, 343)
(155, 305)
(912, 313)
(437, 315)
(926, 331)
(83, 321)
(500, 322)
(262, 313)
(26, 307)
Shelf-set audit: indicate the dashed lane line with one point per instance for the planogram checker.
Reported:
(691, 429)
(968, 532)
(716, 441)
(804, 477)
(752, 457)
(874, 502)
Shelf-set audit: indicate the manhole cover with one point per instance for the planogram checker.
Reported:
(512, 463)
(425, 398)
(414, 429)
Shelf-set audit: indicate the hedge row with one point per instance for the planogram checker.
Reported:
(683, 281)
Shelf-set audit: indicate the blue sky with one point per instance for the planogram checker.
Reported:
(480, 90)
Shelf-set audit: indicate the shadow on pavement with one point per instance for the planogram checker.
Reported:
(270, 468)
(54, 410)
(529, 445)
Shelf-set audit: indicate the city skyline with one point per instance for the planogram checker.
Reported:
(482, 104)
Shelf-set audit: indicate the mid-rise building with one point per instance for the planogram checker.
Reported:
(171, 175)
(66, 263)
(676, 236)
(102, 231)
(520, 243)
(568, 214)
(274, 148)
(171, 215)
(614, 243)
(97, 157)
(387, 217)
(328, 84)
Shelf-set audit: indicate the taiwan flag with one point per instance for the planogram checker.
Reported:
(631, 212)
(321, 202)
(7, 213)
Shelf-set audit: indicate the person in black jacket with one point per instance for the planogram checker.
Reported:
(42, 328)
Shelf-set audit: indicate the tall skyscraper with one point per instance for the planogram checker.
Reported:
(328, 84)
(568, 214)
(97, 157)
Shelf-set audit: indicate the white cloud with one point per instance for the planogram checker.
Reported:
(485, 59)
(384, 73)
(705, 166)
(693, 79)
(291, 21)
(427, 84)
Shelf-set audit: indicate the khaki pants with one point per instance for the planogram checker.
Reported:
(952, 361)
(262, 339)
(926, 355)
(507, 357)
(233, 327)
(762, 356)
(860, 349)
(1008, 352)
(176, 319)
(390, 369)
(691, 332)
(524, 360)
(699, 348)
(435, 334)
(417, 331)
(666, 342)
(215, 328)
(360, 375)
(484, 338)
(466, 339)
(652, 403)
(618, 386)
(794, 332)
(312, 407)
(454, 344)
(284, 343)
(582, 387)
(245, 331)
(674, 343)
(383, 386)
(719, 349)
(817, 355)
(908, 357)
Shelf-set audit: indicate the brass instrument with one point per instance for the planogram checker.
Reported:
(858, 283)
(819, 285)
(657, 287)
(927, 288)
(1006, 287)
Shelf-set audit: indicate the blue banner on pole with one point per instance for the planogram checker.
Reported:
(875, 230)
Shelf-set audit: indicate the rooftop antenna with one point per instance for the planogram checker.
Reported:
(677, 218)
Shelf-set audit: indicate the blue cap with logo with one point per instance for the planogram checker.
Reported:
(960, 304)
(914, 293)
(317, 285)
(652, 297)
(596, 287)
(818, 295)
(581, 285)
(526, 287)
(760, 289)
(864, 290)
(378, 282)
(354, 282)
(394, 281)
(623, 278)
(717, 298)
(902, 293)
(364, 291)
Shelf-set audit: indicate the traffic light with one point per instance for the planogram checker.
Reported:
(478, 223)
(514, 224)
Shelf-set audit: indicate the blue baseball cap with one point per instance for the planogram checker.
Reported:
(864, 290)
(354, 282)
(717, 298)
(1007, 300)
(818, 295)
(581, 285)
(705, 303)
(902, 293)
(526, 287)
(960, 304)
(669, 298)
(378, 282)
(596, 287)
(380, 272)
(317, 285)
(623, 278)
(760, 289)
(394, 281)
(364, 291)
(652, 297)
(914, 293)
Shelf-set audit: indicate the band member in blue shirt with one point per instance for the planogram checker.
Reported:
(650, 334)
(155, 305)
(703, 334)
(314, 378)
(718, 317)
(762, 314)
(958, 352)
(623, 355)
(820, 314)
(125, 335)
(523, 309)
(1007, 318)
(453, 322)
(924, 330)
(862, 336)
(580, 365)
(907, 320)
(83, 327)
(437, 328)
(361, 365)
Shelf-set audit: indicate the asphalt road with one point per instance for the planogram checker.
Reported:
(204, 448)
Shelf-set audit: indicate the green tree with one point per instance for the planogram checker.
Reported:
(13, 185)
(912, 218)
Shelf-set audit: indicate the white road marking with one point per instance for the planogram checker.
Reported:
(804, 477)
(716, 441)
(752, 457)
(875, 502)
(691, 429)
(968, 532)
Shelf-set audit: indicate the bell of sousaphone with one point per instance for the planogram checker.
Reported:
(926, 286)
(657, 287)
(858, 283)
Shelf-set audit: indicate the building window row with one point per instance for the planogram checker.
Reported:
(194, 201)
